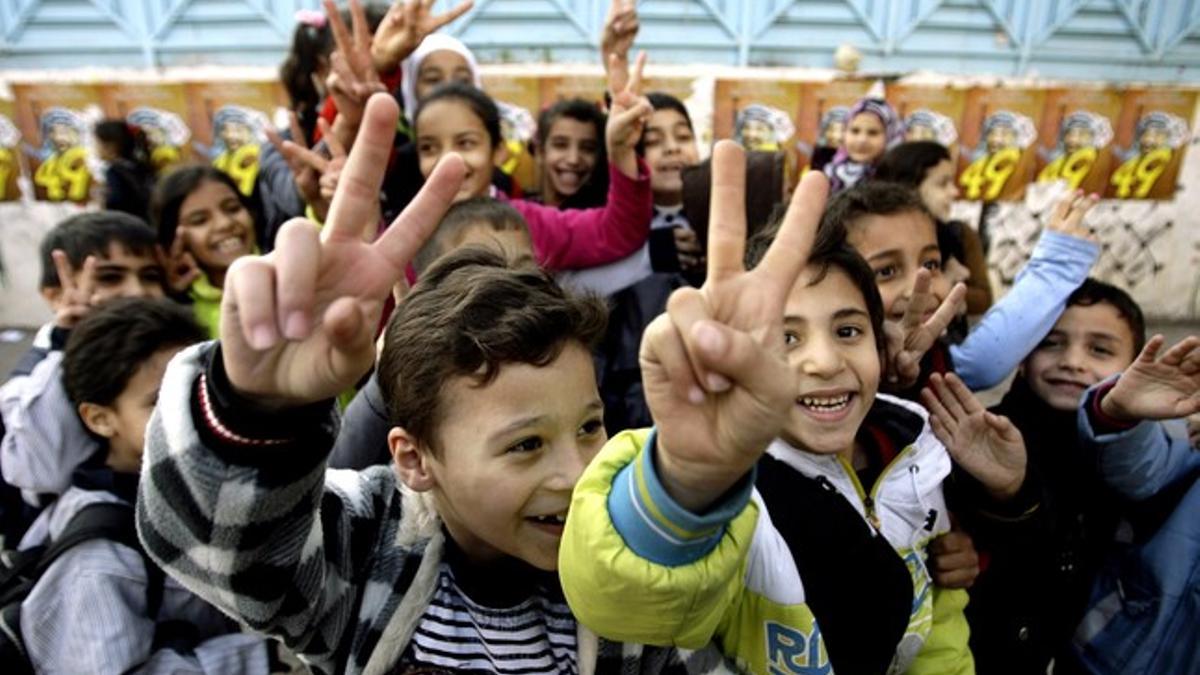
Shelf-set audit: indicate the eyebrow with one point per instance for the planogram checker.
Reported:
(594, 405)
(932, 248)
(850, 311)
(890, 253)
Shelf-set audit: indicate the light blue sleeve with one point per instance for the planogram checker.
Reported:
(1137, 462)
(655, 526)
(1018, 322)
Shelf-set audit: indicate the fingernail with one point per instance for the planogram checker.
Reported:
(296, 326)
(718, 383)
(709, 338)
(262, 337)
(695, 395)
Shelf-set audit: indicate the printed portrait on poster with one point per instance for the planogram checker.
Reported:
(1152, 137)
(10, 157)
(999, 143)
(1076, 138)
(229, 122)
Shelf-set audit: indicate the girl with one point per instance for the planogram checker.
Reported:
(438, 60)
(872, 127)
(304, 70)
(129, 177)
(570, 155)
(926, 167)
(206, 224)
(462, 119)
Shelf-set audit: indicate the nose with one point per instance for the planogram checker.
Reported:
(567, 466)
(1073, 357)
(574, 156)
(820, 358)
(133, 287)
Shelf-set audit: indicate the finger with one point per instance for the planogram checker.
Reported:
(959, 390)
(358, 23)
(297, 261)
(618, 73)
(1150, 351)
(943, 433)
(664, 347)
(453, 14)
(937, 411)
(940, 321)
(686, 308)
(1062, 208)
(357, 195)
(350, 329)
(1080, 208)
(408, 232)
(1004, 426)
(252, 282)
(727, 212)
(1175, 355)
(736, 357)
(956, 559)
(341, 36)
(296, 130)
(304, 157)
(86, 285)
(62, 267)
(275, 139)
(949, 400)
(336, 149)
(635, 81)
(919, 300)
(961, 578)
(788, 254)
(629, 119)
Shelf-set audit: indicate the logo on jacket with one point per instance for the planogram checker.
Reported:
(790, 652)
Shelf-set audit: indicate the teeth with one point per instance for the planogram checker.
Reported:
(831, 403)
(555, 519)
(231, 244)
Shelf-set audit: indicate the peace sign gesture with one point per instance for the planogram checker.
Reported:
(297, 325)
(912, 336)
(714, 367)
(78, 296)
(352, 78)
(403, 28)
(626, 120)
(309, 167)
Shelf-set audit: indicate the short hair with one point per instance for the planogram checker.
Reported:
(469, 316)
(478, 102)
(578, 109)
(174, 188)
(109, 345)
(660, 100)
(477, 211)
(830, 250)
(873, 198)
(1094, 292)
(909, 163)
(93, 233)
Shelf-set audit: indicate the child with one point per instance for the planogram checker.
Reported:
(570, 155)
(129, 174)
(1158, 475)
(890, 227)
(88, 611)
(206, 224)
(926, 167)
(489, 376)
(1026, 604)
(87, 260)
(872, 127)
(462, 119)
(676, 538)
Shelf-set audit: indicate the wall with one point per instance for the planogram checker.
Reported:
(1154, 40)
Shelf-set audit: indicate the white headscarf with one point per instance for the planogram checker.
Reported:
(412, 65)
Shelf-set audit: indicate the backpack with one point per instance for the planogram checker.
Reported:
(20, 571)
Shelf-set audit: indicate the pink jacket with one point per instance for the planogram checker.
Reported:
(581, 238)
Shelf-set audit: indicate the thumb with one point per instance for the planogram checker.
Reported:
(740, 359)
(350, 331)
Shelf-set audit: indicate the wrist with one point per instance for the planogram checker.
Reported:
(1112, 409)
(694, 486)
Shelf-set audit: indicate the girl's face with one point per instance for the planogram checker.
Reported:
(670, 146)
(440, 67)
(216, 228)
(571, 152)
(897, 246)
(448, 125)
(938, 190)
(865, 138)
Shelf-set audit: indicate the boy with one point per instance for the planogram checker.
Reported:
(88, 611)
(692, 536)
(1026, 604)
(86, 260)
(429, 564)
(890, 227)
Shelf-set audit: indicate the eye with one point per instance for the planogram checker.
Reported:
(425, 149)
(790, 338)
(591, 427)
(849, 332)
(1102, 351)
(232, 206)
(153, 274)
(1051, 343)
(886, 272)
(526, 445)
(109, 279)
(467, 143)
(933, 265)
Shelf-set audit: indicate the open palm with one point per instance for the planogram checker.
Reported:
(298, 325)
(714, 369)
(1154, 388)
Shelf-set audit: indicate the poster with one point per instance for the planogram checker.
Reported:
(229, 122)
(1075, 141)
(1152, 136)
(999, 142)
(930, 113)
(10, 149)
(55, 121)
(761, 115)
(821, 118)
(160, 111)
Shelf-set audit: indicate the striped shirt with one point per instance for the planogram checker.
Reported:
(532, 634)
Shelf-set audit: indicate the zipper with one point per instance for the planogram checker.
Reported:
(868, 498)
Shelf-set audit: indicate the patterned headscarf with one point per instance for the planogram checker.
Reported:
(844, 172)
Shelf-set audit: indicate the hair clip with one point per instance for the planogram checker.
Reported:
(310, 17)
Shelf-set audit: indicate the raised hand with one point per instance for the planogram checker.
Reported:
(77, 298)
(953, 560)
(405, 25)
(626, 119)
(1193, 429)
(1154, 388)
(179, 266)
(620, 29)
(352, 78)
(913, 335)
(714, 367)
(298, 325)
(309, 167)
(1069, 212)
(986, 445)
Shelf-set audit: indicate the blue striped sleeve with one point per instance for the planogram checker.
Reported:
(657, 528)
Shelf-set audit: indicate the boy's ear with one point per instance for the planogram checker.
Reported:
(100, 419)
(412, 463)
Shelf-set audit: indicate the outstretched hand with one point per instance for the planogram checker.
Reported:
(1068, 214)
(620, 30)
(298, 325)
(626, 120)
(714, 368)
(913, 335)
(403, 28)
(314, 174)
(352, 79)
(985, 444)
(1154, 388)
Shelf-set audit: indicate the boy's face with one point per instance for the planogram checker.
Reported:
(1087, 345)
(120, 273)
(512, 244)
(570, 155)
(831, 348)
(510, 454)
(896, 247)
(124, 422)
(670, 147)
